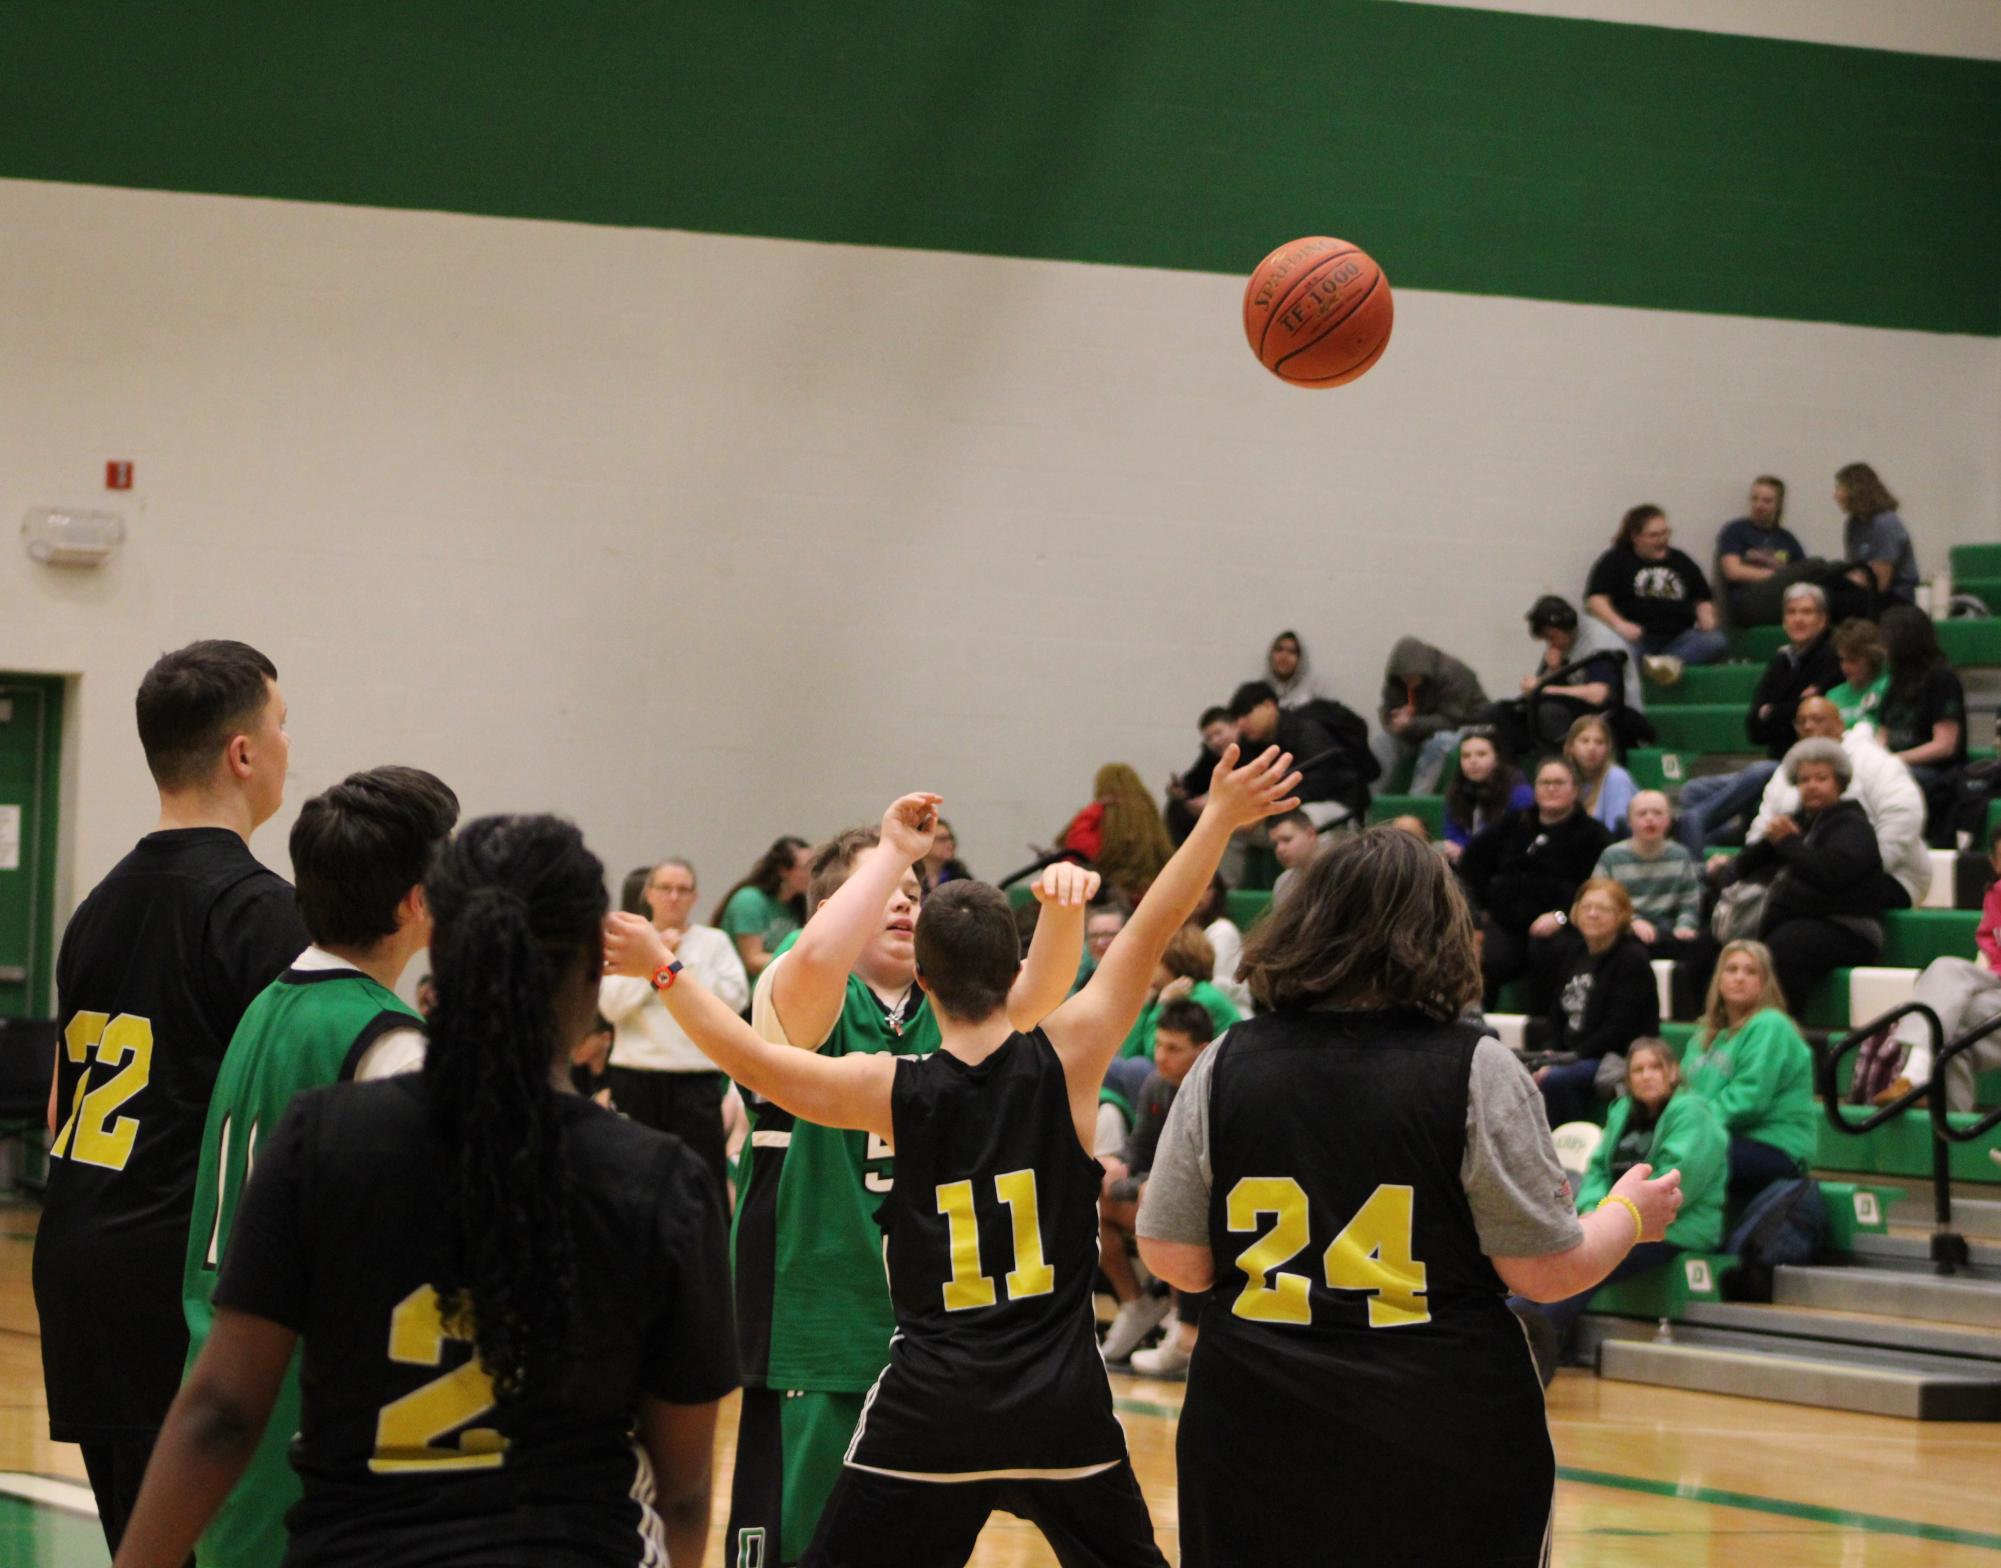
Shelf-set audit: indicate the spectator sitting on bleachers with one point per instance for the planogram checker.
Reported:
(1188, 793)
(943, 864)
(1608, 681)
(1755, 549)
(1104, 922)
(1865, 672)
(1824, 910)
(1182, 1033)
(1120, 832)
(1333, 783)
(1226, 939)
(1484, 789)
(1659, 876)
(1295, 841)
(1289, 673)
(1888, 795)
(1427, 697)
(1661, 1122)
(1524, 871)
(1965, 993)
(1875, 542)
(1750, 1062)
(1183, 974)
(1603, 1000)
(1806, 666)
(1923, 717)
(1606, 789)
(1655, 597)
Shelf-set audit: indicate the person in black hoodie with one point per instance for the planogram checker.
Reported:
(1807, 666)
(1828, 886)
(1334, 779)
(1605, 998)
(1524, 871)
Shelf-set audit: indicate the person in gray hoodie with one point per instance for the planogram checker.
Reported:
(1428, 696)
(1289, 673)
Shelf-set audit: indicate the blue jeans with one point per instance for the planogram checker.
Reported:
(1754, 1166)
(1562, 1314)
(1570, 1093)
(1694, 646)
(1711, 803)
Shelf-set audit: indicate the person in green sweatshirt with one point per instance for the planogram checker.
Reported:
(1749, 1061)
(1661, 1122)
(1184, 971)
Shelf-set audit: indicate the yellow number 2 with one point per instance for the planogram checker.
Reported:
(410, 1432)
(90, 1135)
(1372, 1253)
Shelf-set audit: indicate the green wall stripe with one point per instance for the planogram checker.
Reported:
(1468, 150)
(1841, 1518)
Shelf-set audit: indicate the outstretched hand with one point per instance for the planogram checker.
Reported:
(910, 824)
(1658, 1198)
(1065, 884)
(1260, 788)
(632, 947)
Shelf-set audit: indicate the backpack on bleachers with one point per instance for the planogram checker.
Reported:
(1966, 827)
(1786, 1223)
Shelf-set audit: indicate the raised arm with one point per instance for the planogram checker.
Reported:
(1088, 1029)
(807, 990)
(832, 1091)
(1064, 890)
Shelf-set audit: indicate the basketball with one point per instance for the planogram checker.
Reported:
(1317, 312)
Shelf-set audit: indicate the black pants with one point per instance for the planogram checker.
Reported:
(1508, 955)
(1807, 949)
(689, 1105)
(116, 1466)
(881, 1521)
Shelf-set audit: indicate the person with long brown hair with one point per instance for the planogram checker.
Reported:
(1121, 832)
(1358, 1178)
(1749, 1060)
(1875, 542)
(768, 904)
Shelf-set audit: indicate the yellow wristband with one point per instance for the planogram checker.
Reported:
(1632, 1208)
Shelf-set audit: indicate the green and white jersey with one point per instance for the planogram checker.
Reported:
(812, 1297)
(320, 1022)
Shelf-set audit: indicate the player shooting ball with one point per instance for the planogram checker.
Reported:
(995, 1395)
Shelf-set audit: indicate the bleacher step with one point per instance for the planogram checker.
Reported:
(1973, 1217)
(1892, 1293)
(1871, 1329)
(1912, 1391)
(1909, 1245)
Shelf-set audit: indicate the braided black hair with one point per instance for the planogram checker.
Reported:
(517, 904)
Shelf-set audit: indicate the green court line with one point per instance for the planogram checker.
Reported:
(1847, 1519)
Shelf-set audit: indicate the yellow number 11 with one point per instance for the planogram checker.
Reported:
(1031, 1275)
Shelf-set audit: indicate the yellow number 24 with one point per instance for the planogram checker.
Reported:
(1372, 1253)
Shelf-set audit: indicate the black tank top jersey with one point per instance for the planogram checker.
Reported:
(405, 1459)
(992, 1243)
(155, 970)
(1357, 1348)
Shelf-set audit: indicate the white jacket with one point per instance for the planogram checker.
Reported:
(1889, 795)
(645, 1035)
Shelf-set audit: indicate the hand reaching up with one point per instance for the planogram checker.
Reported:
(1260, 788)
(910, 824)
(632, 947)
(1065, 884)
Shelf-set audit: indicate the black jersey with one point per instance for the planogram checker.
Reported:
(1357, 1348)
(404, 1456)
(156, 968)
(992, 1241)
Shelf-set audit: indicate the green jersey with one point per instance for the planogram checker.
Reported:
(310, 1027)
(812, 1295)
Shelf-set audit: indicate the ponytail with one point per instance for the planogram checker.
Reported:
(517, 904)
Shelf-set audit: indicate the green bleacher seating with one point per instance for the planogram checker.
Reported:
(1709, 726)
(1971, 643)
(1708, 684)
(1912, 938)
(1247, 906)
(1903, 1147)
(1975, 560)
(1655, 768)
(1756, 644)
(1429, 809)
(1986, 589)
(1665, 1292)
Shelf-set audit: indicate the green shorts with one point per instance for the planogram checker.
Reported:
(789, 1448)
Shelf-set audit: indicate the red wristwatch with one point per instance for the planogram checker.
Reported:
(665, 975)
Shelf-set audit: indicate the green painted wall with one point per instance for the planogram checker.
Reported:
(1468, 150)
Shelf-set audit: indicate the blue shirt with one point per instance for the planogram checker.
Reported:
(1744, 537)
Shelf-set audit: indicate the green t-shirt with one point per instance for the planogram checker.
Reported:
(1759, 1078)
(1687, 1138)
(306, 1029)
(808, 1250)
(1221, 1010)
(750, 911)
(1860, 706)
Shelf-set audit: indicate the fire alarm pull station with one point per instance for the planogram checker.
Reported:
(117, 476)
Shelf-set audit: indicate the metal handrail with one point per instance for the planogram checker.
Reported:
(1942, 1127)
(1828, 1061)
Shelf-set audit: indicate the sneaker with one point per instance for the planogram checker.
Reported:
(1166, 1360)
(1136, 1319)
(1663, 669)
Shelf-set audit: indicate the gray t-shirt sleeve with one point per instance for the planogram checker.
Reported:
(1523, 1205)
(1174, 1205)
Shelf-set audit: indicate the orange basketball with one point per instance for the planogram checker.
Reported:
(1317, 312)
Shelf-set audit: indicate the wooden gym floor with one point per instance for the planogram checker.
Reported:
(1650, 1478)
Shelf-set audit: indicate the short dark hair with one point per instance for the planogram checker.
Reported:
(1213, 716)
(193, 700)
(1551, 612)
(1376, 921)
(358, 849)
(632, 892)
(833, 860)
(968, 950)
(1293, 818)
(1250, 695)
(1189, 1018)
